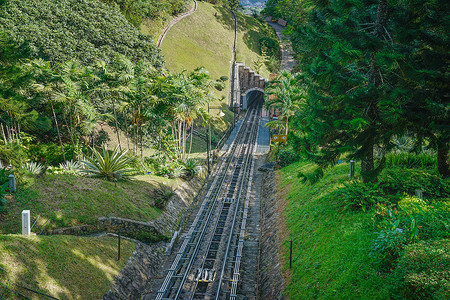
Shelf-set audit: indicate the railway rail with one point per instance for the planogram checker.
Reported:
(207, 264)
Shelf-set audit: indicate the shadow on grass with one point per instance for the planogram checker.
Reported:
(64, 267)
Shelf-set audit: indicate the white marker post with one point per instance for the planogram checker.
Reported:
(26, 228)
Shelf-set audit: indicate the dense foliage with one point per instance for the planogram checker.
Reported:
(355, 240)
(52, 112)
(371, 71)
(136, 10)
(83, 30)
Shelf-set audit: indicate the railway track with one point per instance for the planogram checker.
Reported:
(206, 266)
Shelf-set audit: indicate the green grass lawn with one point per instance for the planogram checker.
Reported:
(65, 267)
(68, 200)
(331, 243)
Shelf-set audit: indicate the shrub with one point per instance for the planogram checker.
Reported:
(411, 160)
(399, 181)
(423, 271)
(34, 168)
(176, 172)
(191, 168)
(3, 193)
(51, 153)
(13, 154)
(111, 165)
(387, 247)
(433, 219)
(287, 157)
(4, 176)
(396, 231)
(71, 165)
(311, 177)
(162, 195)
(269, 45)
(359, 196)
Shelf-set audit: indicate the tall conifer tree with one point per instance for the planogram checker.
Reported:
(348, 60)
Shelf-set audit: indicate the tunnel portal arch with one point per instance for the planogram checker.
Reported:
(246, 99)
(245, 81)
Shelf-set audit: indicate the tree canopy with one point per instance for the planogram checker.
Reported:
(82, 30)
(371, 71)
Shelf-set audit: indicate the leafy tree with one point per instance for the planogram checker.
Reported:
(136, 10)
(284, 94)
(81, 30)
(45, 85)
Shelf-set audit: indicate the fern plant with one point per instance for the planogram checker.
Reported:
(111, 165)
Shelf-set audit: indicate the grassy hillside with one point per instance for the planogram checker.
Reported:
(68, 200)
(69, 267)
(206, 39)
(348, 247)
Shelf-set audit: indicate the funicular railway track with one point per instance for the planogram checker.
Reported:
(206, 266)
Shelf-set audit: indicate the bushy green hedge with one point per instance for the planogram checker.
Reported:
(400, 180)
(424, 271)
(82, 30)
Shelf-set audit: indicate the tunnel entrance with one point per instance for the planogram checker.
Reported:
(251, 98)
(254, 95)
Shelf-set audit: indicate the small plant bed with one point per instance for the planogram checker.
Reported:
(69, 200)
(367, 241)
(69, 267)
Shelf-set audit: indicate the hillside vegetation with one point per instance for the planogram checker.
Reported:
(155, 10)
(356, 241)
(205, 38)
(83, 30)
(65, 267)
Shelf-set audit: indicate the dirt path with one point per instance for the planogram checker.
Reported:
(173, 22)
(287, 54)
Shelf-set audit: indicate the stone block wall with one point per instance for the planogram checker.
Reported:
(270, 277)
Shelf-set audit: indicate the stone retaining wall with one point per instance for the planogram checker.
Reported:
(147, 261)
(138, 272)
(270, 277)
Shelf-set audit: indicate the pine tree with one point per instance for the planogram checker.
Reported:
(349, 63)
(423, 37)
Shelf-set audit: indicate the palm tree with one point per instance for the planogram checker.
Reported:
(112, 80)
(79, 113)
(287, 95)
(46, 84)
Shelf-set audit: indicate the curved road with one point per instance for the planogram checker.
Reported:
(173, 22)
(287, 54)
